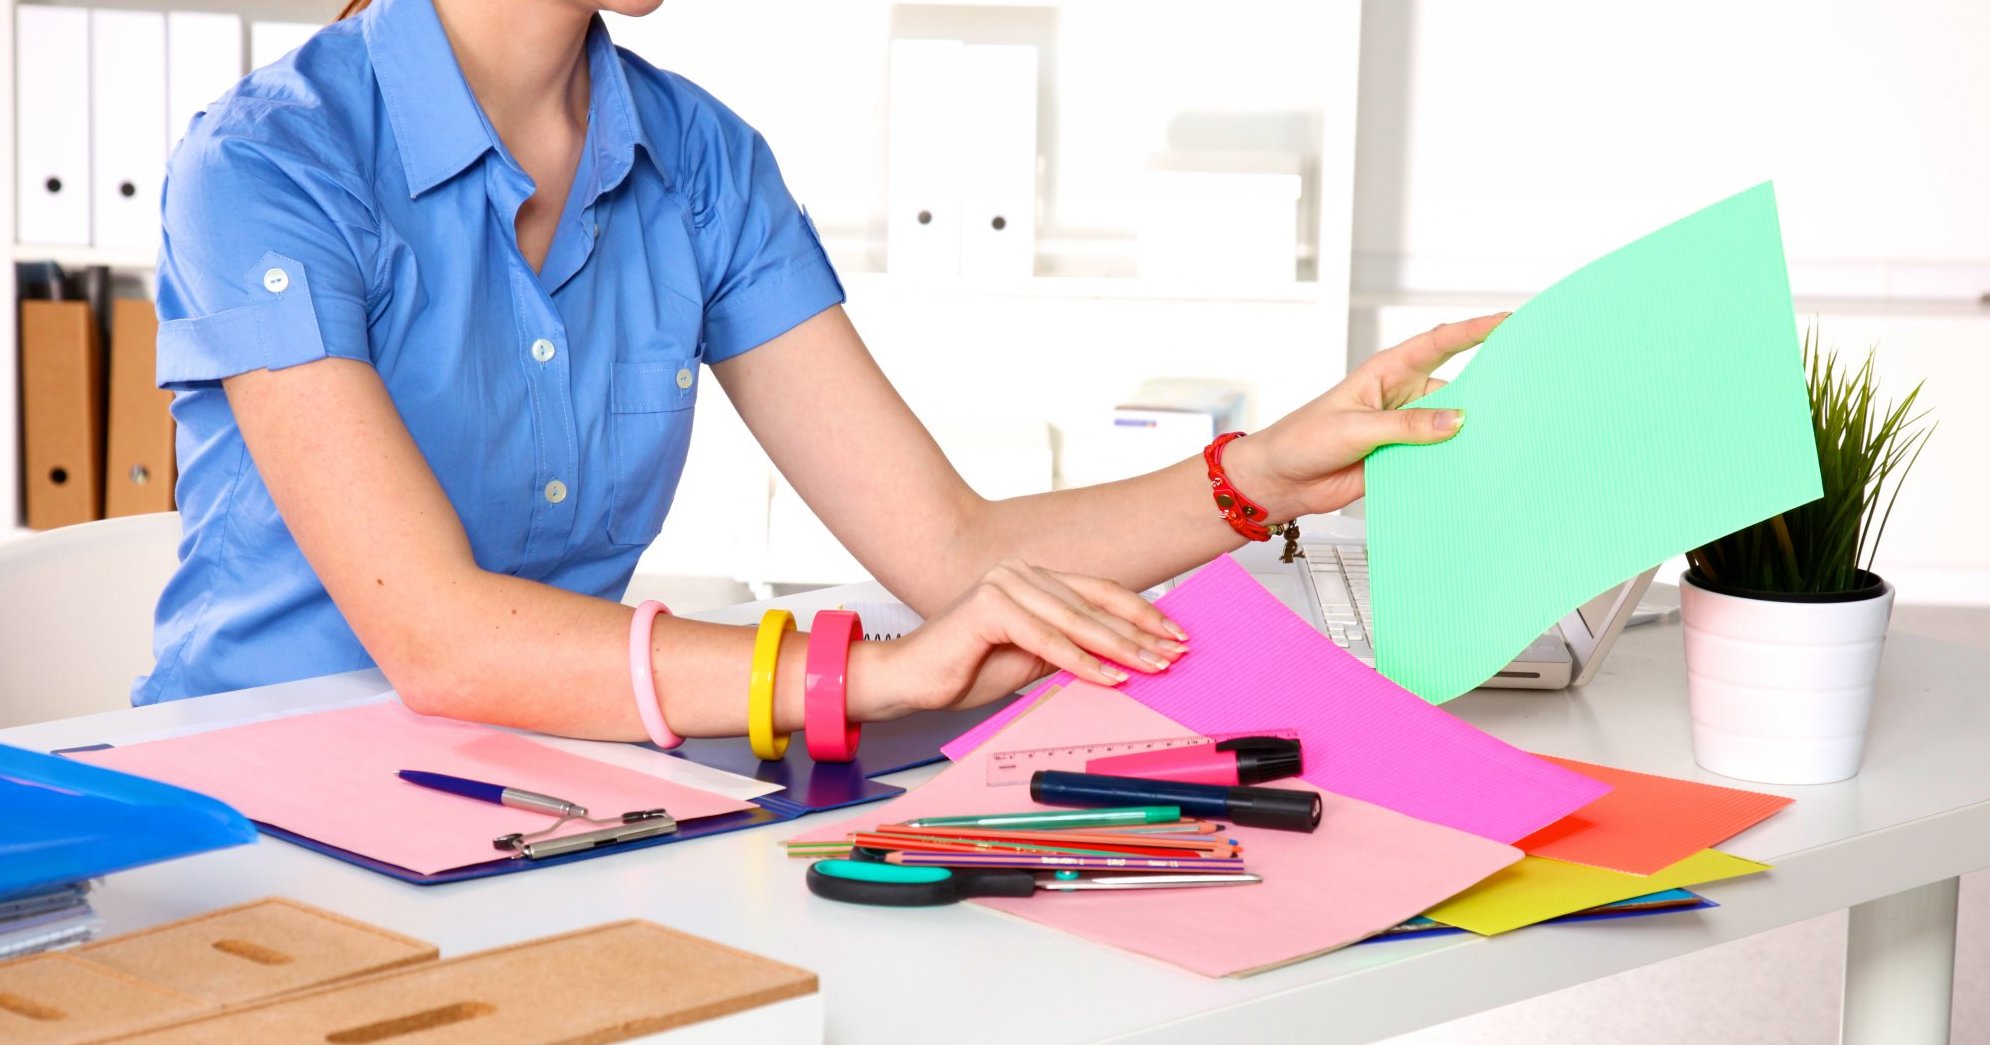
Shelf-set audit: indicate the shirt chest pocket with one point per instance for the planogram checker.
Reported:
(649, 430)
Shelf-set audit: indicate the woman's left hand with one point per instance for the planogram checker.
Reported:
(1310, 460)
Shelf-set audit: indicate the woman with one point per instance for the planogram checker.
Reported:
(435, 292)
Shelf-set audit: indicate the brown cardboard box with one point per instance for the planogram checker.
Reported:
(55, 999)
(256, 951)
(62, 418)
(606, 984)
(138, 453)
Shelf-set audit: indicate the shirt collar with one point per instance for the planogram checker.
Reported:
(437, 123)
(617, 131)
(435, 118)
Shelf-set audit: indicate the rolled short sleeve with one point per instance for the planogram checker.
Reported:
(260, 266)
(775, 274)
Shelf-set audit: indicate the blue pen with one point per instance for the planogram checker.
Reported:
(495, 794)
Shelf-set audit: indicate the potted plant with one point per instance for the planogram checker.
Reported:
(1784, 619)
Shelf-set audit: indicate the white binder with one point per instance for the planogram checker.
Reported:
(269, 41)
(922, 223)
(52, 92)
(203, 60)
(998, 161)
(127, 127)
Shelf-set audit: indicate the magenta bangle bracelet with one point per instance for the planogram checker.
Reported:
(826, 700)
(644, 676)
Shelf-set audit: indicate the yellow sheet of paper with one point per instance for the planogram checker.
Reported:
(1537, 889)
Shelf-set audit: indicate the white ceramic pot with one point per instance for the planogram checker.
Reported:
(1781, 690)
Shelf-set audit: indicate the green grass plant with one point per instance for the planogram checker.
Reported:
(1864, 452)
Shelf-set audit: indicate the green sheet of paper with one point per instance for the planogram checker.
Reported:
(1650, 402)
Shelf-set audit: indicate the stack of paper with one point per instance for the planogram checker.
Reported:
(1414, 795)
(45, 919)
(1366, 869)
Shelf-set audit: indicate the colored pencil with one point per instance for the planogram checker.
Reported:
(973, 845)
(1064, 863)
(1180, 827)
(1080, 839)
(818, 850)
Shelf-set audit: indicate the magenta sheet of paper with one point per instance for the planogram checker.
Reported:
(1253, 664)
(330, 776)
(1364, 870)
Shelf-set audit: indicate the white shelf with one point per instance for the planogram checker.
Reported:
(1804, 304)
(83, 257)
(1100, 287)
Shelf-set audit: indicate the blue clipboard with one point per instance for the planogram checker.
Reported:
(808, 787)
(63, 821)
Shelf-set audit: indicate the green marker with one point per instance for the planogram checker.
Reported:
(1075, 818)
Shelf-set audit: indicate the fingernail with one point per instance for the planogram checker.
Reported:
(1175, 629)
(1448, 420)
(1113, 673)
(1154, 658)
(1173, 647)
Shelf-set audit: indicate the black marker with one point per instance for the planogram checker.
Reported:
(1248, 806)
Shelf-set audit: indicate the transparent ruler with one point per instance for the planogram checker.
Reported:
(1007, 768)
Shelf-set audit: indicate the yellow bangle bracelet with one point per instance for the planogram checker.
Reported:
(774, 626)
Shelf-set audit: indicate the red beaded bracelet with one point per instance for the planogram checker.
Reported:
(1244, 515)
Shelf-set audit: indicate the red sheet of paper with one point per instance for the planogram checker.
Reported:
(1647, 823)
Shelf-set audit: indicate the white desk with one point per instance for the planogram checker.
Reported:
(1889, 843)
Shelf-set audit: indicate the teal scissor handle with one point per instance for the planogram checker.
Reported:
(889, 885)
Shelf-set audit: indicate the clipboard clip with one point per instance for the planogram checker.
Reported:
(644, 823)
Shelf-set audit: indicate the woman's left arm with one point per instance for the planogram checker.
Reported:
(840, 433)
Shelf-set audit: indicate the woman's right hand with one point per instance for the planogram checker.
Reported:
(1018, 623)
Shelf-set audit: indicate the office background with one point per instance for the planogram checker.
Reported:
(1452, 158)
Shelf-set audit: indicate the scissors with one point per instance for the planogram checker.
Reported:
(891, 885)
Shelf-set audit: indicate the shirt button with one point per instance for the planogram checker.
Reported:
(542, 350)
(556, 491)
(684, 379)
(275, 280)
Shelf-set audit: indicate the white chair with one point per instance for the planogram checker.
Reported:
(76, 614)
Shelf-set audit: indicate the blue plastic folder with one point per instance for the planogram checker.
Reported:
(64, 821)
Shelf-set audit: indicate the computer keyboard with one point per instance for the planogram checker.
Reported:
(1340, 579)
(1339, 573)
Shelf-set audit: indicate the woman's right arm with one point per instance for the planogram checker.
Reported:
(455, 640)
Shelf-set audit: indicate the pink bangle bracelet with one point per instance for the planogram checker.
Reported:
(643, 675)
(826, 699)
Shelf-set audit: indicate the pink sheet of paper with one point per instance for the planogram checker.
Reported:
(330, 776)
(1365, 869)
(1252, 664)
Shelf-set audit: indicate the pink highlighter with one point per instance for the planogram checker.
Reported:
(1235, 762)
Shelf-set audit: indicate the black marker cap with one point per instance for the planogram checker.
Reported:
(1264, 758)
(1275, 807)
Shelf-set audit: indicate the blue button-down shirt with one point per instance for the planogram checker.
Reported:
(352, 200)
